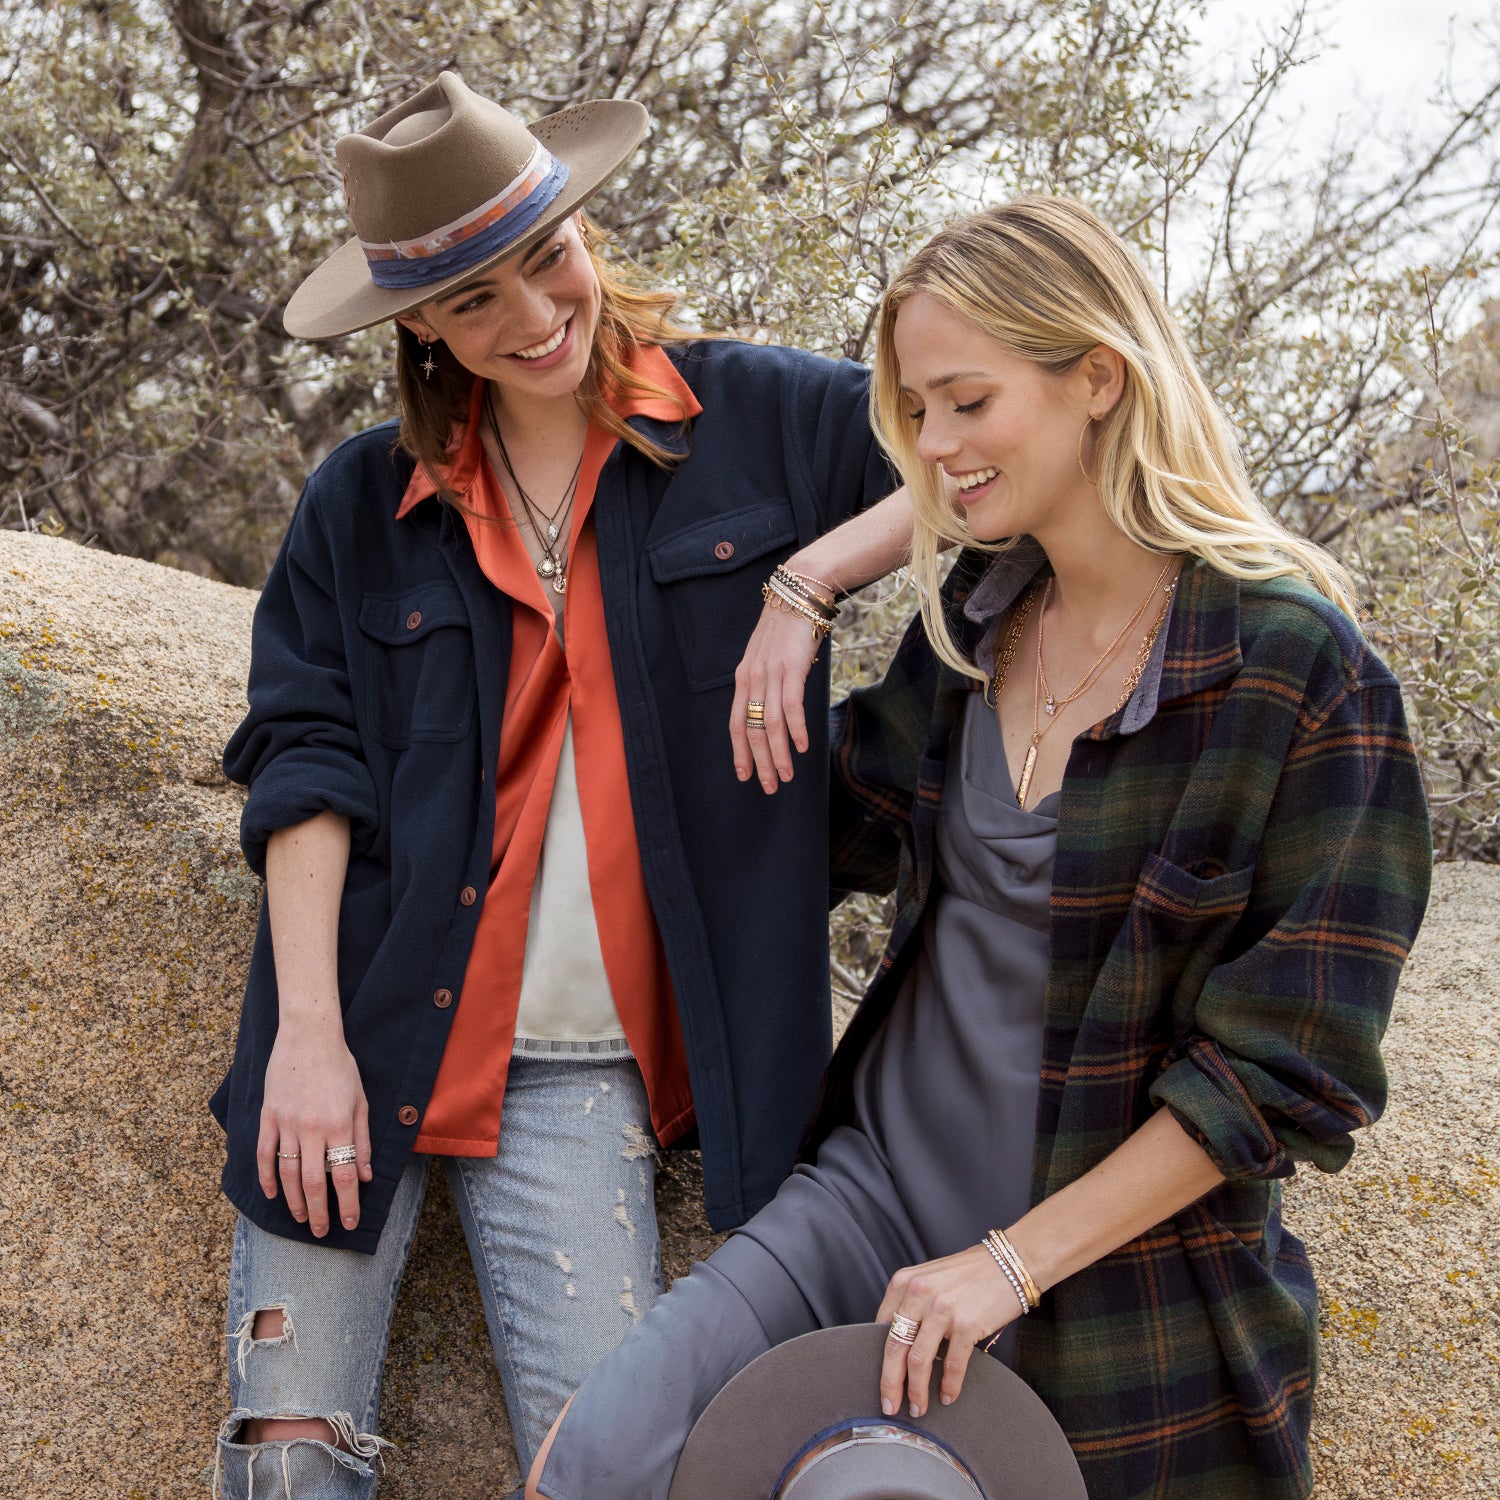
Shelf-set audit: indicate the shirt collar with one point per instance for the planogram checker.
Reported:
(1199, 646)
(660, 416)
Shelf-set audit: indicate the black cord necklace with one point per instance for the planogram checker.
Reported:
(554, 560)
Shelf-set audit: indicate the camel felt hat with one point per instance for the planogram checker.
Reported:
(803, 1422)
(444, 186)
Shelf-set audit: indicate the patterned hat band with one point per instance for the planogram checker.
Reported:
(450, 251)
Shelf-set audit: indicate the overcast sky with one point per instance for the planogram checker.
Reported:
(1379, 63)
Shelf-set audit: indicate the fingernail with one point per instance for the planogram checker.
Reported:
(947, 1399)
(888, 1406)
(743, 775)
(350, 1221)
(300, 1218)
(916, 1410)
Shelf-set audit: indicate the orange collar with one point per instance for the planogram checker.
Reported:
(648, 361)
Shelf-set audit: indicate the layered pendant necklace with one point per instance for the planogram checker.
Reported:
(1043, 699)
(548, 527)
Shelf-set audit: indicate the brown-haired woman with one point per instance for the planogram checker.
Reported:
(506, 859)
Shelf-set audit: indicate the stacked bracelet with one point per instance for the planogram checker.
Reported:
(797, 594)
(1010, 1276)
(778, 596)
(1006, 1257)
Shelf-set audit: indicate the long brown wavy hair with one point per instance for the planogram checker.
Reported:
(631, 315)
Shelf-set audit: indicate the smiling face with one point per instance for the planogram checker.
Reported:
(1004, 430)
(527, 324)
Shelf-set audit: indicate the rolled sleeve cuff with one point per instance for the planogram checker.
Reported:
(300, 784)
(1209, 1101)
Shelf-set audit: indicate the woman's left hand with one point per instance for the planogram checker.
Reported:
(963, 1298)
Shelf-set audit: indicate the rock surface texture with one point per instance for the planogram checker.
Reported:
(125, 926)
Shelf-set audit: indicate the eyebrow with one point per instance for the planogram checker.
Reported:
(953, 379)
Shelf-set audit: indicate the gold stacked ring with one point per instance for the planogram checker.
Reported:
(755, 715)
(903, 1329)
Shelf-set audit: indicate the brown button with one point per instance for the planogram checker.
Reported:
(414, 619)
(407, 1114)
(724, 551)
(443, 999)
(468, 895)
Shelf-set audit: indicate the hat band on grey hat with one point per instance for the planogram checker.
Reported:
(476, 237)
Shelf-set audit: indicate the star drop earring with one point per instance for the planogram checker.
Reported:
(428, 364)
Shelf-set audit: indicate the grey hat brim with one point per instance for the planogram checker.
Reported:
(592, 139)
(753, 1428)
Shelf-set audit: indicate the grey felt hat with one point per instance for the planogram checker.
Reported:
(803, 1422)
(446, 185)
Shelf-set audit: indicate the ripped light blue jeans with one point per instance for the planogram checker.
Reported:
(562, 1231)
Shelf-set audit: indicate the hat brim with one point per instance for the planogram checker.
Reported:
(591, 139)
(751, 1430)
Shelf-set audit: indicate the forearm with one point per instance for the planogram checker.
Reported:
(1155, 1173)
(305, 868)
(868, 546)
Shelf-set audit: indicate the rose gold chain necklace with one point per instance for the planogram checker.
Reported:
(1041, 694)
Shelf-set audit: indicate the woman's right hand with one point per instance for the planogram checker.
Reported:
(784, 646)
(772, 673)
(314, 1101)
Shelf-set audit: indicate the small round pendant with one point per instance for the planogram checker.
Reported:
(546, 567)
(560, 584)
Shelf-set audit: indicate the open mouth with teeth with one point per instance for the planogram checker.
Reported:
(547, 346)
(970, 485)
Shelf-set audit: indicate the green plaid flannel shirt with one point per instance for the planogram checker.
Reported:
(1237, 883)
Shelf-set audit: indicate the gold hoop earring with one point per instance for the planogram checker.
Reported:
(1092, 483)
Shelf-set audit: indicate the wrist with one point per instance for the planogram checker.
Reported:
(310, 1018)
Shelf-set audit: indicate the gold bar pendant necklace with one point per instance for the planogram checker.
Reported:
(1042, 695)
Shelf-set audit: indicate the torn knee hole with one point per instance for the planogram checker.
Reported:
(336, 1430)
(289, 1429)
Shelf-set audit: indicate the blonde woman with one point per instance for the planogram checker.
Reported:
(1160, 847)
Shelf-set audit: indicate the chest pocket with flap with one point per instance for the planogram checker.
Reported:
(712, 589)
(417, 666)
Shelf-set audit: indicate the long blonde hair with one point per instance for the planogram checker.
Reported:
(1048, 280)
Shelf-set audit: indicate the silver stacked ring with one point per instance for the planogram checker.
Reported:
(340, 1156)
